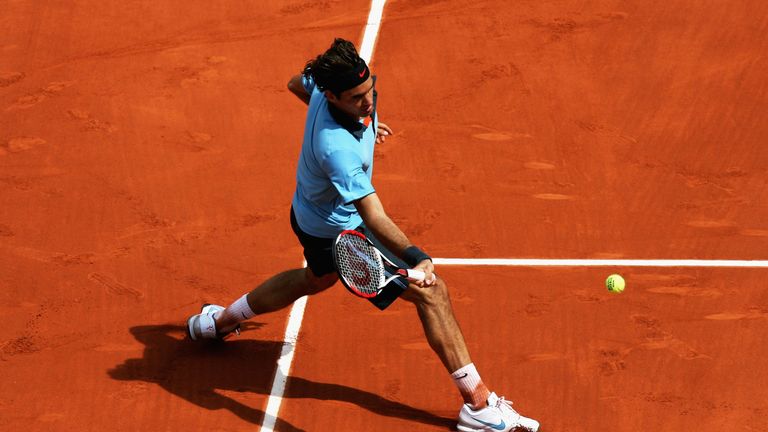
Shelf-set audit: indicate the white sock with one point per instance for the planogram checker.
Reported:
(471, 386)
(237, 311)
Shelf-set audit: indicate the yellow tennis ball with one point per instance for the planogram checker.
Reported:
(615, 283)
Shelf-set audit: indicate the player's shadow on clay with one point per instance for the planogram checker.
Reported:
(195, 372)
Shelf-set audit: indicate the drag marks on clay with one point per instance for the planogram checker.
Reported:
(490, 134)
(21, 144)
(544, 357)
(416, 346)
(539, 166)
(50, 90)
(554, 197)
(611, 357)
(89, 123)
(536, 307)
(10, 78)
(561, 27)
(681, 285)
(130, 391)
(114, 287)
(426, 221)
(656, 338)
(686, 291)
(610, 133)
(195, 75)
(297, 8)
(711, 224)
(752, 314)
(754, 232)
(25, 344)
(6, 231)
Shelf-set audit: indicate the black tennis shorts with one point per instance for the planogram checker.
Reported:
(317, 252)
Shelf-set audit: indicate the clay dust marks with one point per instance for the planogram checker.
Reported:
(736, 316)
(32, 99)
(754, 232)
(539, 166)
(6, 231)
(485, 133)
(10, 78)
(21, 144)
(187, 76)
(564, 26)
(88, 122)
(544, 357)
(554, 197)
(686, 291)
(114, 287)
(726, 225)
(710, 224)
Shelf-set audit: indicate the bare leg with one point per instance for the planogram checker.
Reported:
(440, 326)
(279, 292)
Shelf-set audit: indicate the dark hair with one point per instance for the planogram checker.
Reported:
(327, 68)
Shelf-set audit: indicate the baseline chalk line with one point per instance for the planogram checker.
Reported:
(600, 262)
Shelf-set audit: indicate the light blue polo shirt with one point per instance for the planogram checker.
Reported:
(334, 170)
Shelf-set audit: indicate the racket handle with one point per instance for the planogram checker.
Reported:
(415, 275)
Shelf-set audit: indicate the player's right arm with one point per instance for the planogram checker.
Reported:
(393, 238)
(296, 86)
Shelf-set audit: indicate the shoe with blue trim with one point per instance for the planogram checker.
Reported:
(498, 416)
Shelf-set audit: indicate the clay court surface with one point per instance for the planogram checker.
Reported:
(147, 162)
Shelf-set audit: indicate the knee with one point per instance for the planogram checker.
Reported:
(435, 295)
(320, 283)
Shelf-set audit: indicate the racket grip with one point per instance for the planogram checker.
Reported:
(415, 275)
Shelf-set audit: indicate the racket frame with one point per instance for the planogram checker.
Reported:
(391, 270)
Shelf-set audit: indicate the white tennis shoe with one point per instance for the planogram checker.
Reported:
(497, 416)
(203, 326)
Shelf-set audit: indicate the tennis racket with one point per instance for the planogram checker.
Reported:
(363, 269)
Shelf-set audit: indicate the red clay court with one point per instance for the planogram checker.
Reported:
(147, 163)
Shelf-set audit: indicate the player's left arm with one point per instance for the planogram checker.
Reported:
(393, 238)
(296, 87)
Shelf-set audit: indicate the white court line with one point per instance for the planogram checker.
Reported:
(297, 311)
(284, 364)
(371, 30)
(599, 262)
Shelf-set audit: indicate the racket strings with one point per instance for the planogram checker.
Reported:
(359, 264)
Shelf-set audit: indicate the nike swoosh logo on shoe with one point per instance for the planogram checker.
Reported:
(499, 426)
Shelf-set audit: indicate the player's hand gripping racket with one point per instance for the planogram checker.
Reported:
(363, 269)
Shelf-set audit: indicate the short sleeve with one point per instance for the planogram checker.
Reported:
(345, 170)
(308, 82)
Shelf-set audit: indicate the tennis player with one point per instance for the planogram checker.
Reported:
(333, 193)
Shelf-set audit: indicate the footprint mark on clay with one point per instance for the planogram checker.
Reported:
(114, 287)
(10, 78)
(20, 144)
(90, 123)
(30, 100)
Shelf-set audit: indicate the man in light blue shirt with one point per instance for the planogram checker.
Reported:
(334, 169)
(334, 192)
